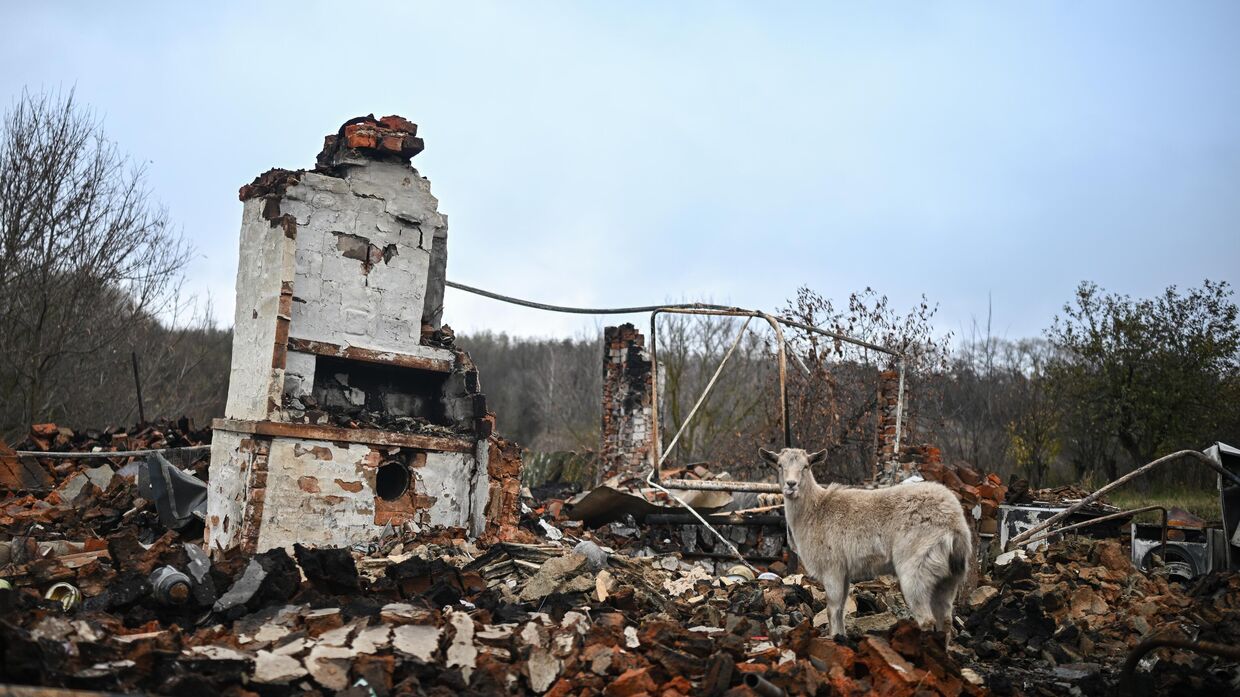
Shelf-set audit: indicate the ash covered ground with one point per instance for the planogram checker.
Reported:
(554, 608)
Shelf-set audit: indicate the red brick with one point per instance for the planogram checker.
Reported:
(398, 123)
(968, 475)
(833, 653)
(631, 682)
(562, 688)
(359, 135)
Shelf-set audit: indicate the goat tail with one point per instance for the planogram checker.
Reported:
(960, 544)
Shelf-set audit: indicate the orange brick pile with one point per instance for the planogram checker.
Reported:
(972, 487)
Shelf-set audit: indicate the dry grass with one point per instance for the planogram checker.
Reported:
(1202, 502)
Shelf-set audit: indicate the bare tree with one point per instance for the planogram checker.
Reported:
(1034, 442)
(834, 389)
(743, 402)
(976, 399)
(84, 253)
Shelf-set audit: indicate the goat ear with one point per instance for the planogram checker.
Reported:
(818, 457)
(770, 457)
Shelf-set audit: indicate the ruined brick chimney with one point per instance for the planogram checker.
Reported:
(892, 467)
(348, 406)
(628, 417)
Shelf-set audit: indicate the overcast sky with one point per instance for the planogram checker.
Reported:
(630, 153)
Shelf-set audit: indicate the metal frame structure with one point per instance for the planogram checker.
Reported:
(658, 455)
(1113, 516)
(1201, 457)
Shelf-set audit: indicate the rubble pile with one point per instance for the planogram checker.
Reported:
(43, 474)
(1075, 609)
(976, 490)
(97, 594)
(427, 620)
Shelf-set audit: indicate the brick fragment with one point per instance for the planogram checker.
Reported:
(631, 682)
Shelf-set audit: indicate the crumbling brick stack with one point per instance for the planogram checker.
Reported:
(890, 467)
(349, 408)
(628, 413)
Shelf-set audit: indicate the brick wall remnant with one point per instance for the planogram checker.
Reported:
(628, 417)
(349, 408)
(892, 467)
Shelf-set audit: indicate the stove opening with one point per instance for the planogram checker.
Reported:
(392, 480)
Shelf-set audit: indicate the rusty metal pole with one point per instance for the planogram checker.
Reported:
(1202, 457)
(1103, 519)
(783, 378)
(655, 445)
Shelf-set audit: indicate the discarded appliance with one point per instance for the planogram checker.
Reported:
(1016, 519)
(1194, 547)
(1191, 549)
(348, 407)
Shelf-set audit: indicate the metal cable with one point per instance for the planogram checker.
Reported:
(583, 310)
(103, 454)
(673, 306)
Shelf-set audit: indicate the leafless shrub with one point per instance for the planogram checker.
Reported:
(84, 253)
(834, 389)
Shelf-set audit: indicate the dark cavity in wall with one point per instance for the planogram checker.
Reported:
(395, 391)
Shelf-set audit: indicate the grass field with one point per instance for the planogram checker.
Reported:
(1202, 502)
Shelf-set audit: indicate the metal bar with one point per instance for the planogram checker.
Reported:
(1202, 457)
(761, 559)
(137, 381)
(1103, 519)
(842, 337)
(721, 485)
(1128, 672)
(759, 521)
(656, 462)
(114, 453)
(783, 379)
(702, 399)
(730, 312)
(899, 409)
(726, 542)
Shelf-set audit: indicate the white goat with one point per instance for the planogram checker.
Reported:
(915, 531)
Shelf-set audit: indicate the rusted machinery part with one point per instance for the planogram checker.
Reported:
(1128, 672)
(1199, 456)
(1102, 519)
(762, 686)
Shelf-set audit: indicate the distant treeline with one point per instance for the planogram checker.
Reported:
(1113, 383)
